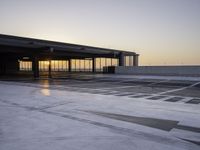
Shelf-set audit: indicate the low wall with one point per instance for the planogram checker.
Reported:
(159, 70)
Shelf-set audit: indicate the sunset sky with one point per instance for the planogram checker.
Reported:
(163, 32)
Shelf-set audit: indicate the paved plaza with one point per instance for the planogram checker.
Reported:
(100, 112)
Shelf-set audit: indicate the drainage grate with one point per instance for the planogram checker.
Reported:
(156, 97)
(174, 99)
(194, 101)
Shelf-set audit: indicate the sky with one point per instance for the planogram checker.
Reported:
(163, 32)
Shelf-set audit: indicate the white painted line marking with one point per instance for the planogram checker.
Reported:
(136, 85)
(179, 89)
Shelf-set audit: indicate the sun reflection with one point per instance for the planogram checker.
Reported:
(45, 92)
(45, 84)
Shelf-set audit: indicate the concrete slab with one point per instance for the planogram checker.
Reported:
(51, 114)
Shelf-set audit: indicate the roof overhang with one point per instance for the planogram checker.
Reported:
(15, 44)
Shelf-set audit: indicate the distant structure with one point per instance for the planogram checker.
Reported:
(19, 54)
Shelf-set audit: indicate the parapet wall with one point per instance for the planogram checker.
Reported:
(159, 70)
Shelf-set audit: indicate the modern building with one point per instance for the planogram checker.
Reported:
(19, 54)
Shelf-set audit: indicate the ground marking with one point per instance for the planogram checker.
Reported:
(179, 89)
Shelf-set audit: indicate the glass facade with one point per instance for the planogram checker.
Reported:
(25, 65)
(81, 65)
(103, 62)
(128, 60)
(59, 65)
(43, 65)
(56, 65)
(77, 65)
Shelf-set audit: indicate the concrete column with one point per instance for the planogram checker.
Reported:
(69, 65)
(135, 60)
(50, 75)
(93, 65)
(51, 50)
(2, 66)
(121, 59)
(35, 67)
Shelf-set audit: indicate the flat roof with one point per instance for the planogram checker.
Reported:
(31, 43)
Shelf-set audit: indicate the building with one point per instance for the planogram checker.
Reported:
(19, 54)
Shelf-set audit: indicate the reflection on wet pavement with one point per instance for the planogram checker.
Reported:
(45, 92)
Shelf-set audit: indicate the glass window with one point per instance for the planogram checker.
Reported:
(43, 65)
(98, 64)
(87, 65)
(82, 65)
(126, 60)
(114, 62)
(25, 65)
(103, 63)
(77, 65)
(130, 60)
(108, 61)
(65, 65)
(90, 62)
(73, 65)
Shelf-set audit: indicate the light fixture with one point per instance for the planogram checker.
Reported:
(25, 58)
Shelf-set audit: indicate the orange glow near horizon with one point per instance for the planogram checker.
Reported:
(162, 32)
